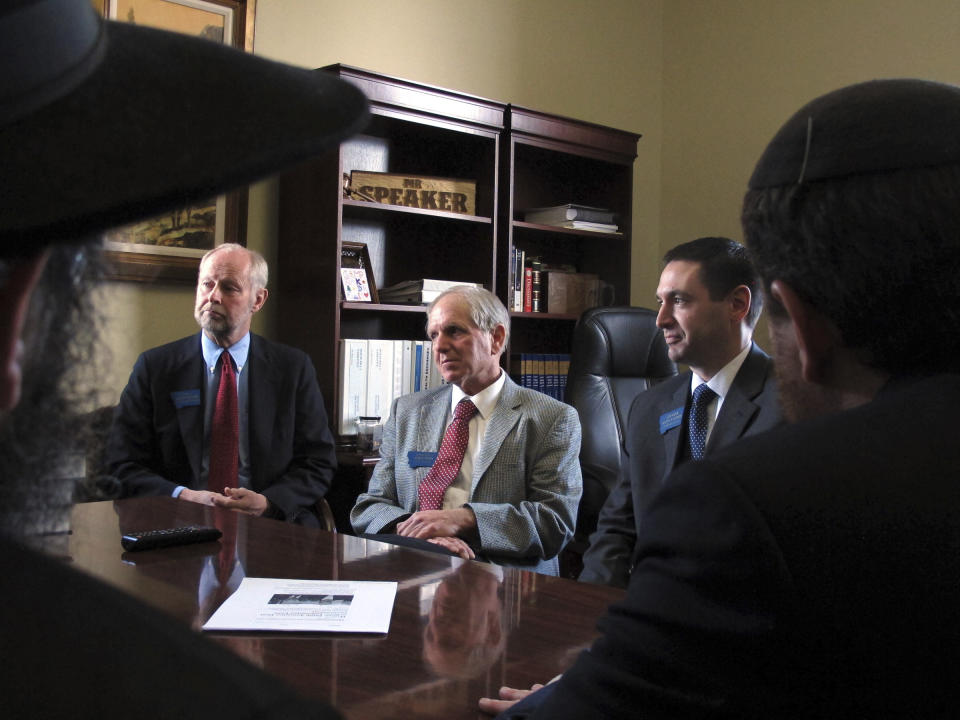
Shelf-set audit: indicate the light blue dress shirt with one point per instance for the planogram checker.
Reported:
(211, 356)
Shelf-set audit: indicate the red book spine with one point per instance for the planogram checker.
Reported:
(528, 289)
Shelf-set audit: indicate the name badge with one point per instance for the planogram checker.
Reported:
(421, 459)
(671, 419)
(185, 398)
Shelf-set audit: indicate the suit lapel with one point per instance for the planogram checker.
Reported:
(189, 373)
(671, 438)
(738, 406)
(262, 394)
(505, 415)
(433, 420)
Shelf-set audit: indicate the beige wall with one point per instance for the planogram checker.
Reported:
(595, 61)
(707, 82)
(735, 70)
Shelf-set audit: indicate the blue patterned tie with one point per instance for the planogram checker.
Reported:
(698, 419)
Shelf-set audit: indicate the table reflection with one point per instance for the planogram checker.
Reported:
(464, 633)
(459, 629)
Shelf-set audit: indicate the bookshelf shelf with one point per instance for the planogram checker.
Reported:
(381, 307)
(593, 234)
(540, 316)
(518, 158)
(365, 206)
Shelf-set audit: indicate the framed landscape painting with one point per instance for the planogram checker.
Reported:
(168, 248)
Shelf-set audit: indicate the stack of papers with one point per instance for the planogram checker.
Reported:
(419, 291)
(571, 215)
(298, 605)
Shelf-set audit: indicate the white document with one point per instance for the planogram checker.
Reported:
(298, 605)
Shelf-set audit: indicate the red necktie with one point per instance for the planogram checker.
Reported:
(449, 459)
(224, 432)
(226, 521)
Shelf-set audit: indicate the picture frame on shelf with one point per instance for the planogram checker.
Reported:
(167, 248)
(357, 282)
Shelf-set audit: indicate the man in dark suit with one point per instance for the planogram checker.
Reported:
(161, 436)
(812, 571)
(710, 300)
(87, 143)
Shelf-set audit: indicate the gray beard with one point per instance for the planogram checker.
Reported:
(219, 330)
(44, 439)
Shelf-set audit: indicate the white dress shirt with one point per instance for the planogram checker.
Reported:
(720, 384)
(458, 492)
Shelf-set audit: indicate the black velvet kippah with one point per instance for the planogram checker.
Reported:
(870, 127)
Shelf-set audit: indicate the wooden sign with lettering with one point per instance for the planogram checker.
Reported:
(426, 193)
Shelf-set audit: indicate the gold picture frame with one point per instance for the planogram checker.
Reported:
(168, 248)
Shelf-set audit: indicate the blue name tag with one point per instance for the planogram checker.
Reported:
(671, 419)
(421, 459)
(185, 398)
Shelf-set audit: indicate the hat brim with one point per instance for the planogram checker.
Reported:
(164, 120)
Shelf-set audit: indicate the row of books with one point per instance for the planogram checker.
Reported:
(538, 286)
(526, 277)
(375, 372)
(576, 217)
(544, 372)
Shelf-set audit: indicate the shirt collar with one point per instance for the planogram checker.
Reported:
(485, 400)
(211, 352)
(721, 382)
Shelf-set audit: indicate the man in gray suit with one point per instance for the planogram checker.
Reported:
(709, 297)
(514, 498)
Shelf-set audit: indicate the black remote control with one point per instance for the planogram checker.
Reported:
(152, 539)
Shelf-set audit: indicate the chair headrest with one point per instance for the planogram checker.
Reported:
(620, 342)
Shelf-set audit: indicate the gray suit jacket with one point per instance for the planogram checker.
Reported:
(750, 407)
(526, 481)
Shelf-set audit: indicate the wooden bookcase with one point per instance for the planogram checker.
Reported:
(519, 158)
(547, 161)
(415, 130)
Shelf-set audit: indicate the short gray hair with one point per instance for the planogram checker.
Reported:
(486, 310)
(259, 272)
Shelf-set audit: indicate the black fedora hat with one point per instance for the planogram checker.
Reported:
(102, 123)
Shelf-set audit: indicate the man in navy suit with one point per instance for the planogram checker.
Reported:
(710, 300)
(159, 444)
(811, 571)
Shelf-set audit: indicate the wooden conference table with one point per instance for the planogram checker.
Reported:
(457, 632)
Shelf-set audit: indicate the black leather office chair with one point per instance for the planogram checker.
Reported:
(618, 352)
(96, 484)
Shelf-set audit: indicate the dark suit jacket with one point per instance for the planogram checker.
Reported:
(812, 571)
(74, 648)
(749, 408)
(155, 446)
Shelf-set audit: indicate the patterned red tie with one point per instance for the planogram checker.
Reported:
(226, 522)
(224, 432)
(449, 459)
